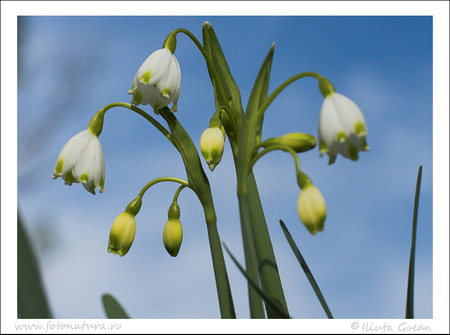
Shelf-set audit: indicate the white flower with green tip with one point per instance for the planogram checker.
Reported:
(342, 128)
(81, 161)
(158, 81)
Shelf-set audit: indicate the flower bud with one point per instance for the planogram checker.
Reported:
(299, 142)
(311, 208)
(212, 144)
(173, 232)
(122, 234)
(173, 236)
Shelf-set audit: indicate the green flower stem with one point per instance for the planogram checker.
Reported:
(137, 110)
(177, 193)
(183, 183)
(284, 148)
(280, 88)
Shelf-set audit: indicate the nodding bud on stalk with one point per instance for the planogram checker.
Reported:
(212, 144)
(299, 142)
(122, 234)
(123, 229)
(173, 232)
(311, 208)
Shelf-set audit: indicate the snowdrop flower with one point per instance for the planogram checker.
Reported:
(157, 81)
(81, 161)
(211, 145)
(342, 128)
(311, 208)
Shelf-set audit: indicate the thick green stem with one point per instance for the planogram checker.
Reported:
(220, 273)
(199, 183)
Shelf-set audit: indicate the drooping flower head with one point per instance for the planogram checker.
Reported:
(158, 81)
(342, 128)
(81, 161)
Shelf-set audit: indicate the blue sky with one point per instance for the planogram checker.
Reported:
(71, 66)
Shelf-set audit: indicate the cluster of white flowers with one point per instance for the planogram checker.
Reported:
(341, 129)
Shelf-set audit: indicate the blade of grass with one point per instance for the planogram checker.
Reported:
(274, 304)
(410, 292)
(306, 269)
(112, 308)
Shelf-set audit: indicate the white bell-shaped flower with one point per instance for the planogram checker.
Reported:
(81, 161)
(342, 128)
(158, 81)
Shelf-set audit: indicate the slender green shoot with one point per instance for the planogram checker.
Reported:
(305, 268)
(410, 291)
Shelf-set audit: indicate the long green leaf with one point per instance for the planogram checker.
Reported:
(410, 292)
(306, 269)
(251, 260)
(214, 50)
(274, 304)
(31, 298)
(226, 91)
(267, 264)
(112, 308)
(250, 133)
(261, 86)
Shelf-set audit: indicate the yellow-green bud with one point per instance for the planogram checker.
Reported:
(311, 208)
(122, 234)
(172, 236)
(299, 142)
(211, 144)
